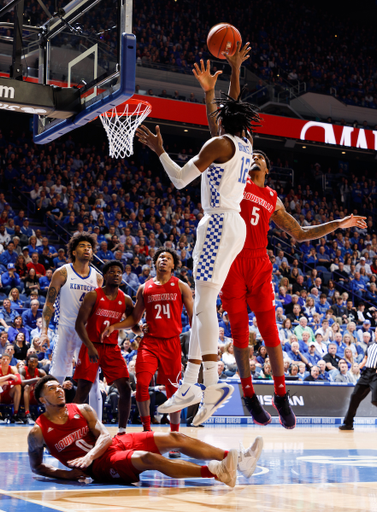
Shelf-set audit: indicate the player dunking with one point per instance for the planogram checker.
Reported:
(75, 437)
(162, 298)
(249, 281)
(223, 163)
(99, 309)
(69, 285)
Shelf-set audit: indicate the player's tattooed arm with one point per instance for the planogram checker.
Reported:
(131, 320)
(99, 280)
(35, 451)
(289, 224)
(103, 438)
(58, 279)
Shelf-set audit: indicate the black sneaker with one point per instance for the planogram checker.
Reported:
(174, 454)
(260, 416)
(287, 417)
(29, 420)
(16, 419)
(344, 426)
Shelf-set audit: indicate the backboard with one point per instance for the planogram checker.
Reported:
(68, 66)
(90, 47)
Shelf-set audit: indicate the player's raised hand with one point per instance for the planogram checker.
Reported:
(353, 221)
(109, 329)
(154, 142)
(204, 77)
(239, 56)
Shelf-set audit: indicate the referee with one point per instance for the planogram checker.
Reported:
(366, 383)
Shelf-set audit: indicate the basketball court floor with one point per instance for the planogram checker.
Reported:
(310, 468)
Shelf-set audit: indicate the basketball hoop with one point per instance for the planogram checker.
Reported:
(121, 126)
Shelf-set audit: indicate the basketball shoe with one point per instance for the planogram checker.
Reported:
(287, 417)
(213, 397)
(225, 470)
(260, 416)
(186, 395)
(247, 459)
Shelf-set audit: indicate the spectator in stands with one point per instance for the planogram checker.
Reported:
(358, 286)
(131, 279)
(7, 315)
(303, 326)
(31, 281)
(16, 328)
(331, 358)
(309, 308)
(280, 317)
(8, 256)
(30, 316)
(3, 342)
(228, 357)
(45, 259)
(295, 354)
(302, 372)
(4, 236)
(313, 357)
(293, 372)
(225, 324)
(340, 346)
(104, 254)
(10, 279)
(14, 297)
(366, 327)
(60, 260)
(320, 345)
(255, 331)
(44, 282)
(33, 245)
(322, 306)
(354, 373)
(262, 355)
(38, 267)
(323, 373)
(314, 375)
(223, 340)
(343, 375)
(348, 357)
(220, 370)
(325, 330)
(296, 315)
(21, 346)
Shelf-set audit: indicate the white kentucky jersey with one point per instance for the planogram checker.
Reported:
(72, 294)
(223, 184)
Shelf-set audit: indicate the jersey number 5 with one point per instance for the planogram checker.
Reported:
(244, 169)
(165, 308)
(254, 216)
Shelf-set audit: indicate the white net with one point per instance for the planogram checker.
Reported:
(121, 127)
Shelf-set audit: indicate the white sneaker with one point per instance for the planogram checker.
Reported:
(186, 395)
(225, 470)
(247, 459)
(214, 396)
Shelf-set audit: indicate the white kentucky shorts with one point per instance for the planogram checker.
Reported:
(220, 238)
(66, 348)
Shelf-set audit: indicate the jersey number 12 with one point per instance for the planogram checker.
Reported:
(244, 169)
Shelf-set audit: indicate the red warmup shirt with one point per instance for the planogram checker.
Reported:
(163, 305)
(28, 376)
(69, 441)
(104, 313)
(257, 206)
(9, 383)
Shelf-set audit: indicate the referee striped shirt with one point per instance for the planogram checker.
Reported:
(372, 356)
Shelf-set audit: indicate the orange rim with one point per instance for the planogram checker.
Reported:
(131, 102)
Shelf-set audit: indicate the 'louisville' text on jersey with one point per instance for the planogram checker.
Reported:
(162, 296)
(71, 438)
(83, 287)
(255, 199)
(108, 313)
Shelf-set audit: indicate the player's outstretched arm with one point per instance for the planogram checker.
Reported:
(235, 61)
(131, 320)
(289, 224)
(35, 452)
(58, 279)
(81, 320)
(208, 83)
(103, 438)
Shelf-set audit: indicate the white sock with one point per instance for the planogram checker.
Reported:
(191, 373)
(210, 375)
(121, 430)
(95, 399)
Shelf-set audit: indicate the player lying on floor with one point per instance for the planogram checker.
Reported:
(74, 436)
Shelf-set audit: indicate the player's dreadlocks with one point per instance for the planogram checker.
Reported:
(236, 116)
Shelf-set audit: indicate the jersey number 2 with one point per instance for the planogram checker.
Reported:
(165, 308)
(255, 216)
(244, 169)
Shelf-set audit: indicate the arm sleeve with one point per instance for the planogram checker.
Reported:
(180, 176)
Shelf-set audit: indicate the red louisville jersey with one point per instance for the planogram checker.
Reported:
(163, 305)
(9, 383)
(257, 206)
(69, 441)
(28, 376)
(104, 313)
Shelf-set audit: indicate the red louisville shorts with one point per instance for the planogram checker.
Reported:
(115, 464)
(249, 280)
(110, 360)
(5, 397)
(163, 354)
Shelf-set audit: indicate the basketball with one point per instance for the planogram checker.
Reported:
(223, 38)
